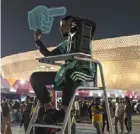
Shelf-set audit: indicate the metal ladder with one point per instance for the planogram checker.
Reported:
(84, 85)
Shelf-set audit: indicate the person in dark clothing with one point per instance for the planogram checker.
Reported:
(128, 115)
(15, 110)
(105, 119)
(71, 72)
(39, 120)
(26, 114)
(6, 119)
(89, 109)
(85, 109)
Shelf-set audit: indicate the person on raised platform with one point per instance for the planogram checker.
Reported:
(71, 72)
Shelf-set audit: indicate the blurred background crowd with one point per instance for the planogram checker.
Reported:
(20, 112)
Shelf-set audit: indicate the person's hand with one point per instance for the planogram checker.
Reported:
(37, 34)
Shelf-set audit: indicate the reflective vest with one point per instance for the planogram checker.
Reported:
(73, 114)
(96, 116)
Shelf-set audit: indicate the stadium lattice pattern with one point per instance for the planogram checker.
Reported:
(119, 56)
(121, 61)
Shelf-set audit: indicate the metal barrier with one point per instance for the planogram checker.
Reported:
(82, 85)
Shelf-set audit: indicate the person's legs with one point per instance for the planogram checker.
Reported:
(103, 123)
(39, 120)
(74, 77)
(14, 115)
(11, 116)
(39, 80)
(71, 80)
(98, 127)
(25, 127)
(67, 94)
(116, 123)
(9, 128)
(107, 124)
(41, 113)
(68, 89)
(73, 128)
(121, 120)
(128, 124)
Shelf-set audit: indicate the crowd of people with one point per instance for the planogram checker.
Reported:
(121, 111)
(85, 110)
(16, 112)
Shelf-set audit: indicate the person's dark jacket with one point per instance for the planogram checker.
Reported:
(128, 110)
(89, 110)
(6, 110)
(16, 105)
(26, 114)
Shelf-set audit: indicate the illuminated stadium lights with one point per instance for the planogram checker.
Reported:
(16, 86)
(13, 90)
(31, 91)
(116, 95)
(108, 95)
(77, 93)
(120, 58)
(122, 96)
(99, 94)
(22, 82)
(51, 68)
(91, 93)
(41, 66)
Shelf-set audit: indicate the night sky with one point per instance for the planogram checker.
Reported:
(114, 18)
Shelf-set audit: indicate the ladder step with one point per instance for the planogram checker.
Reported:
(90, 88)
(96, 88)
(47, 126)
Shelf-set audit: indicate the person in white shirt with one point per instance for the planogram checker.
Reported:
(119, 115)
(77, 108)
(2, 125)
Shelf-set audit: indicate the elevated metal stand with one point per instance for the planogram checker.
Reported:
(82, 85)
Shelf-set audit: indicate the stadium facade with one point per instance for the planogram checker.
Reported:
(119, 56)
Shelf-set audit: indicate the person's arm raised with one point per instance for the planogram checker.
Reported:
(43, 50)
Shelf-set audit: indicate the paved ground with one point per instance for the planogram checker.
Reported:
(86, 128)
(18, 130)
